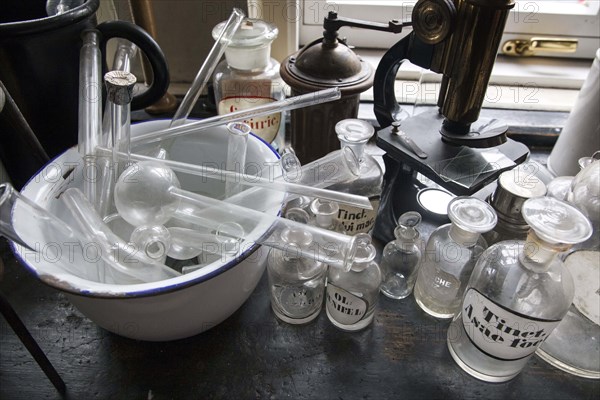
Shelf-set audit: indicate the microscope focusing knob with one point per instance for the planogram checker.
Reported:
(433, 20)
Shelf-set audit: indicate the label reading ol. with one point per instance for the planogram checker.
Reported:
(499, 332)
(343, 306)
(356, 219)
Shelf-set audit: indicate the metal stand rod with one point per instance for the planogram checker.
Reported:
(30, 344)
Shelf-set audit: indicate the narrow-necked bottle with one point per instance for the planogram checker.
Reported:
(297, 284)
(354, 134)
(352, 296)
(450, 256)
(518, 293)
(401, 258)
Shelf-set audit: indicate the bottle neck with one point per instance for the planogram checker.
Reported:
(463, 237)
(537, 254)
(248, 59)
(324, 220)
(360, 266)
(408, 235)
(357, 148)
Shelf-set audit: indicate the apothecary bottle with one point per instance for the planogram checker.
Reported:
(249, 77)
(354, 135)
(401, 258)
(352, 296)
(518, 293)
(297, 284)
(450, 256)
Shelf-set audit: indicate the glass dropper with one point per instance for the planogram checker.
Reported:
(153, 197)
(205, 72)
(250, 180)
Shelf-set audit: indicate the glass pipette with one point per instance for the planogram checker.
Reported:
(205, 72)
(124, 259)
(251, 180)
(292, 103)
(148, 193)
(237, 144)
(90, 109)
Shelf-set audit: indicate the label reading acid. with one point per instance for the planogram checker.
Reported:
(356, 219)
(343, 306)
(499, 332)
(266, 127)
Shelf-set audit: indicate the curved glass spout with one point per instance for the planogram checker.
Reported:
(148, 193)
(292, 103)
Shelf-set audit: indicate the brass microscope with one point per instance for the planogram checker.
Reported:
(452, 146)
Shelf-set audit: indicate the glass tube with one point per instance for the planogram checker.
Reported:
(119, 86)
(206, 70)
(237, 144)
(251, 180)
(188, 243)
(124, 258)
(124, 56)
(154, 196)
(292, 103)
(90, 109)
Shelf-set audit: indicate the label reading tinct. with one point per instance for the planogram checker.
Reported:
(343, 306)
(499, 332)
(356, 219)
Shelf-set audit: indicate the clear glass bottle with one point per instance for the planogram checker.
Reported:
(401, 258)
(518, 293)
(297, 284)
(352, 296)
(354, 134)
(450, 256)
(326, 215)
(249, 77)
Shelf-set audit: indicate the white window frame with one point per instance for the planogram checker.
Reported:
(529, 18)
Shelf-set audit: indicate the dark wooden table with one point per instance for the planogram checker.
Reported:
(403, 354)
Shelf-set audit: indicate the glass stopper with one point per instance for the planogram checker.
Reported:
(407, 223)
(555, 221)
(354, 131)
(471, 214)
(251, 33)
(297, 214)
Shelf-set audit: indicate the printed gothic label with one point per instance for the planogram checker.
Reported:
(499, 332)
